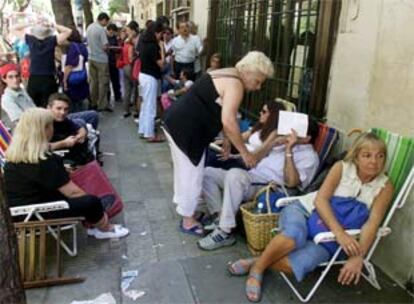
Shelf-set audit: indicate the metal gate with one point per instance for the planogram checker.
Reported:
(291, 33)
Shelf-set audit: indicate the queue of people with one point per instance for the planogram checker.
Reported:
(200, 107)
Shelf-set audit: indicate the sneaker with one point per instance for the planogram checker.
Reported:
(136, 120)
(91, 231)
(212, 225)
(216, 240)
(117, 232)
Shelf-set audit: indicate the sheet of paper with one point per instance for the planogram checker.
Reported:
(292, 120)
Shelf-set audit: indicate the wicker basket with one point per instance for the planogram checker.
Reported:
(258, 226)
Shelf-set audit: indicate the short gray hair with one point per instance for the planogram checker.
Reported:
(256, 61)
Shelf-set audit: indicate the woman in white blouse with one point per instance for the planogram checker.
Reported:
(361, 177)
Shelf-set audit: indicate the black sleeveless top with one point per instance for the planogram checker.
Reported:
(194, 120)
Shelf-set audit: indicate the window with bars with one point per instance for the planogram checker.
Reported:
(285, 30)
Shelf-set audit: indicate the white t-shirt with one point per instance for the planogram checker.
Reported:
(305, 158)
(167, 47)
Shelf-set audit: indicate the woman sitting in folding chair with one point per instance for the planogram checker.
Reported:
(254, 138)
(34, 175)
(359, 177)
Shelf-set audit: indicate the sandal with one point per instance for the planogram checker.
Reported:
(196, 230)
(155, 139)
(240, 268)
(256, 291)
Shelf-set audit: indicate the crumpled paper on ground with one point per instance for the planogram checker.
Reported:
(134, 294)
(105, 298)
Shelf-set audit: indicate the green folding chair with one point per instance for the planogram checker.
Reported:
(399, 167)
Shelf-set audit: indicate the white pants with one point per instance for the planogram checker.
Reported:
(187, 180)
(148, 89)
(224, 191)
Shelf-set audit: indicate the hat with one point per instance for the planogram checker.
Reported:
(41, 32)
(8, 67)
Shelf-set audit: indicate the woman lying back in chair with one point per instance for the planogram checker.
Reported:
(34, 175)
(359, 177)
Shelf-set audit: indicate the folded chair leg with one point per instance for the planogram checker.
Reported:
(371, 277)
(75, 240)
(318, 282)
(70, 252)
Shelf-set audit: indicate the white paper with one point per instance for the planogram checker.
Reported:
(292, 120)
(105, 298)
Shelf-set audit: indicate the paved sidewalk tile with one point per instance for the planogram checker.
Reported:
(162, 282)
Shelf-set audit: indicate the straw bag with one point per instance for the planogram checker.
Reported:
(258, 226)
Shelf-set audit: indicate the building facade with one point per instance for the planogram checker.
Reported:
(176, 10)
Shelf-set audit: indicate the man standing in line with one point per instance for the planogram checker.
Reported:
(98, 63)
(186, 48)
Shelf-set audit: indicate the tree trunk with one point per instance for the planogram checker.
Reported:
(11, 287)
(62, 9)
(87, 12)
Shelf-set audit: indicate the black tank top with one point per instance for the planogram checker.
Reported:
(194, 120)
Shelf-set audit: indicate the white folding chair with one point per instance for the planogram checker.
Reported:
(384, 230)
(35, 210)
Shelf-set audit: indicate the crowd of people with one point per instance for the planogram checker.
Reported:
(144, 68)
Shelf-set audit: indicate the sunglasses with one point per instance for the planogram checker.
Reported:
(264, 111)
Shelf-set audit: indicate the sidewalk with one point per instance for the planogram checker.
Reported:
(171, 269)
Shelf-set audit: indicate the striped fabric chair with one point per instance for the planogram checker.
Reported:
(324, 143)
(5, 138)
(400, 169)
(400, 156)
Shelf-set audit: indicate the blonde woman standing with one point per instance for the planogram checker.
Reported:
(33, 175)
(190, 125)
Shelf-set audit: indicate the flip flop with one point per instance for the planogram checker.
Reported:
(240, 269)
(255, 290)
(196, 230)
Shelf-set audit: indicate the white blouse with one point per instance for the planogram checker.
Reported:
(351, 186)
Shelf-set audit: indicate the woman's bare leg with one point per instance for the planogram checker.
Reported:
(275, 255)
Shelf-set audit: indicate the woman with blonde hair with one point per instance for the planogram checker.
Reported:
(210, 106)
(34, 175)
(359, 178)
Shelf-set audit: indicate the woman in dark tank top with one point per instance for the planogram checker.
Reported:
(191, 124)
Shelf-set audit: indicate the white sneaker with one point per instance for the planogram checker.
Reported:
(117, 232)
(91, 231)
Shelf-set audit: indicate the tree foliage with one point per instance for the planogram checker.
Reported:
(118, 6)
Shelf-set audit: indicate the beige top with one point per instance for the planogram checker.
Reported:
(350, 186)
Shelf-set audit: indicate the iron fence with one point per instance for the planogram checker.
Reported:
(285, 30)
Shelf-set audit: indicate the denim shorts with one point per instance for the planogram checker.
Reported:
(307, 255)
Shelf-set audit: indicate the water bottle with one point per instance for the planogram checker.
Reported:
(260, 208)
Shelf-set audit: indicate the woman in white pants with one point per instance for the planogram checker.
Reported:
(151, 52)
(190, 125)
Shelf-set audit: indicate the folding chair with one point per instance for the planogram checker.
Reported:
(326, 140)
(33, 253)
(35, 210)
(400, 170)
(5, 138)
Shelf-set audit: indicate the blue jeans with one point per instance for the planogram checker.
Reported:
(307, 255)
(90, 117)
